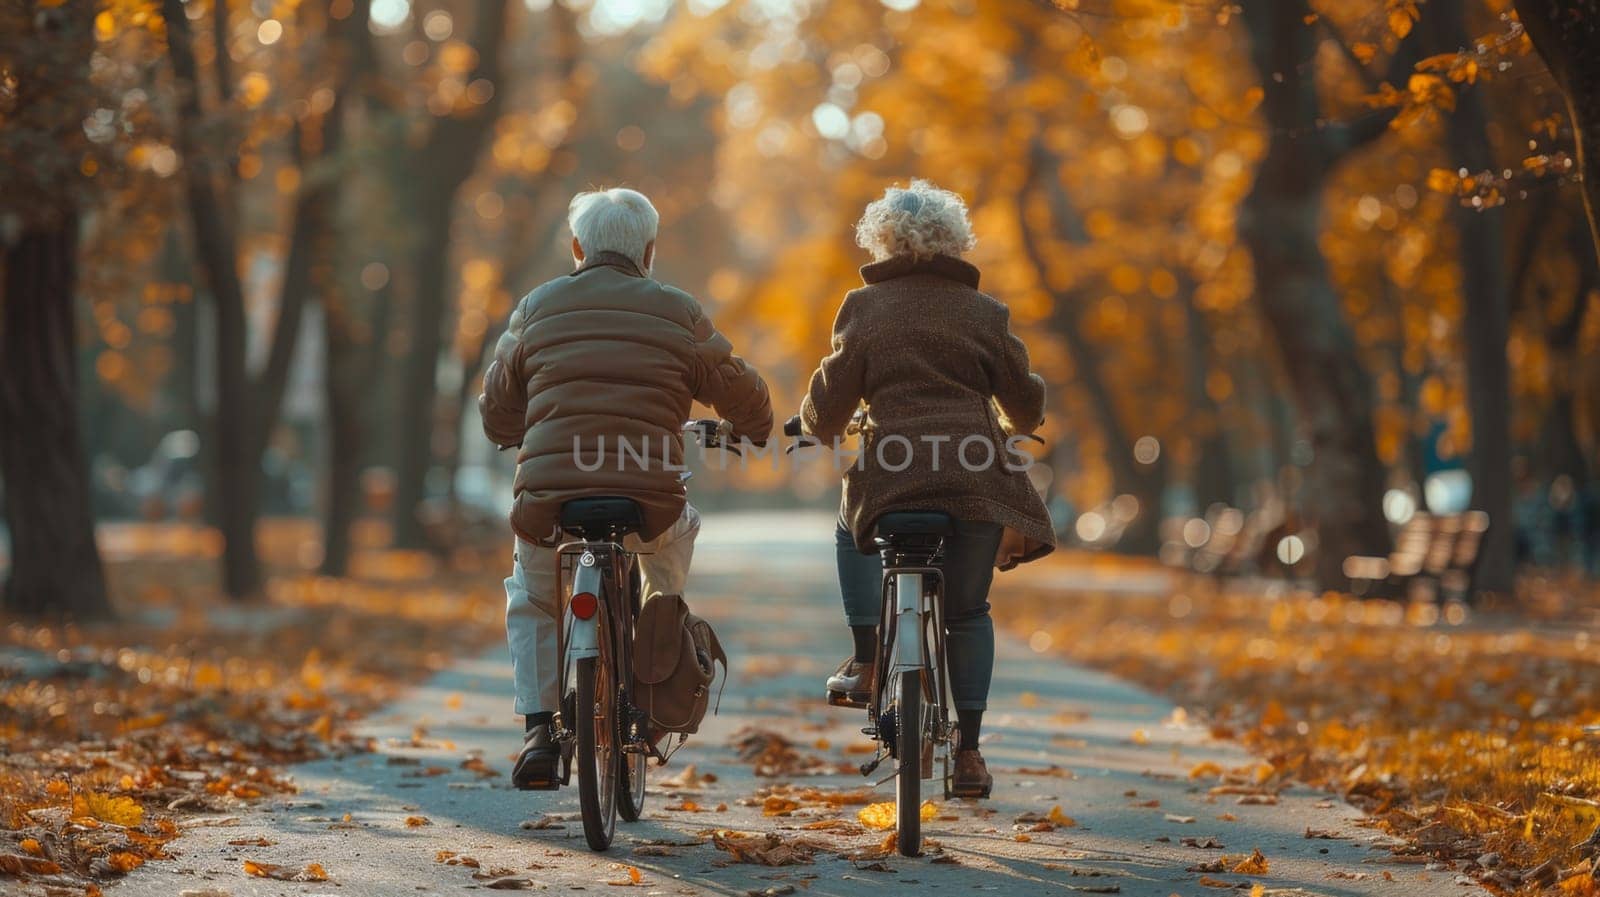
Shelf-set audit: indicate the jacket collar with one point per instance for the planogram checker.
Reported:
(609, 259)
(946, 266)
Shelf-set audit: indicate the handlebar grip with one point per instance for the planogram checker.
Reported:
(792, 426)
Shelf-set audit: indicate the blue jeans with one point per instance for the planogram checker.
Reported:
(969, 631)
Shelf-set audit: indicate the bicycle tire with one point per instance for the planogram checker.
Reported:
(908, 750)
(597, 766)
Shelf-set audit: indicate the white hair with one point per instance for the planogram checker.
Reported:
(615, 220)
(920, 221)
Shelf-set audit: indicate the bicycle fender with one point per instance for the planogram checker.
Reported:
(908, 625)
(583, 636)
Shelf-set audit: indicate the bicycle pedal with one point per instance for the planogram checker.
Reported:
(840, 699)
(545, 785)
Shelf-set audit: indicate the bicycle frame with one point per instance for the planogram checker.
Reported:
(911, 638)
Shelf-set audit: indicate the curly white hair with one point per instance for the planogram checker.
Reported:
(920, 220)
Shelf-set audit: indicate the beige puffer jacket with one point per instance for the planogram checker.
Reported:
(598, 368)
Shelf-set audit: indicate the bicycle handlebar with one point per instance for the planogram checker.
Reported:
(859, 421)
(712, 432)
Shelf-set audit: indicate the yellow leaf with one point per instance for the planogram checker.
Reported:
(1400, 21)
(878, 816)
(634, 874)
(1060, 818)
(1577, 809)
(417, 821)
(1363, 51)
(122, 811)
(1254, 864)
(882, 815)
(32, 845)
(1140, 736)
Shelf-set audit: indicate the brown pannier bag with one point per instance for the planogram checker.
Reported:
(674, 657)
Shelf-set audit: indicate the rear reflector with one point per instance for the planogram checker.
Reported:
(584, 605)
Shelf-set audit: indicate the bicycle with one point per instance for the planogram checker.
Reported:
(597, 725)
(908, 708)
(908, 711)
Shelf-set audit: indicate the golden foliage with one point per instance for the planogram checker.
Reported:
(1468, 739)
(322, 652)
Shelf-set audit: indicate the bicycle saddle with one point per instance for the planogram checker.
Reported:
(912, 523)
(601, 516)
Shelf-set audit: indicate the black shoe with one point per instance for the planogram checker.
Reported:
(536, 765)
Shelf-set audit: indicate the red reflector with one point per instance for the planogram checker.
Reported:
(584, 605)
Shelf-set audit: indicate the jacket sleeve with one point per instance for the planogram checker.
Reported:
(1018, 392)
(839, 383)
(503, 405)
(728, 384)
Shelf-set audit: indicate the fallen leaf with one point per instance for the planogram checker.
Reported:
(1254, 864)
(883, 815)
(417, 821)
(123, 811)
(16, 864)
(124, 862)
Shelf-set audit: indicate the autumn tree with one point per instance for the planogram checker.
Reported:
(45, 166)
(247, 408)
(461, 118)
(1567, 35)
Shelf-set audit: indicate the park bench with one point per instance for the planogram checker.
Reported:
(1233, 545)
(1435, 558)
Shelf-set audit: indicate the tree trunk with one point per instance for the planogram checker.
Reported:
(437, 170)
(1567, 35)
(1280, 221)
(419, 386)
(55, 565)
(1563, 451)
(1486, 321)
(1211, 474)
(232, 427)
(342, 495)
(1145, 482)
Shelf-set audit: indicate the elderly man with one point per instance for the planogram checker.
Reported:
(594, 366)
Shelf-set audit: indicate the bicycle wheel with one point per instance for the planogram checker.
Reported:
(597, 754)
(630, 782)
(908, 751)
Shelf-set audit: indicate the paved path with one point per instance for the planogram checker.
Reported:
(1123, 760)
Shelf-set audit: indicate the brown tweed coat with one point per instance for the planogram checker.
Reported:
(601, 360)
(935, 361)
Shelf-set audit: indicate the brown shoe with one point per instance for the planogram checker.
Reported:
(971, 777)
(851, 684)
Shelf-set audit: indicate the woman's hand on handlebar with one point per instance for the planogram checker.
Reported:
(712, 433)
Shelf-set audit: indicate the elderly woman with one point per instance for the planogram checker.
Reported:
(935, 361)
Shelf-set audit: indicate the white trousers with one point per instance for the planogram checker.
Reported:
(532, 604)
